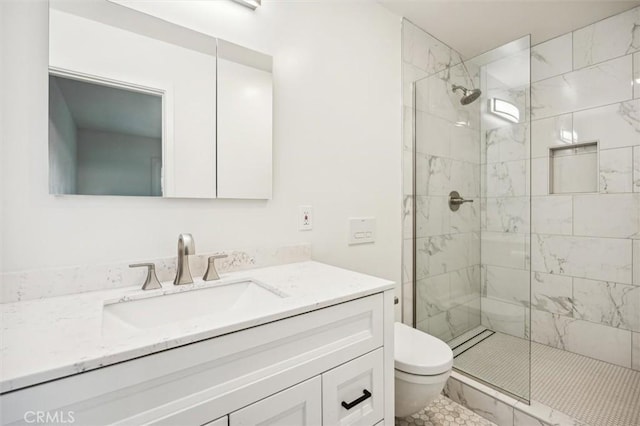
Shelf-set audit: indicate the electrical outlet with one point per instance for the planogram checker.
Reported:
(305, 218)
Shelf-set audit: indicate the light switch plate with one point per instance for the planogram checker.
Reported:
(362, 230)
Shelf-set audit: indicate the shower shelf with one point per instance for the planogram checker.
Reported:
(573, 168)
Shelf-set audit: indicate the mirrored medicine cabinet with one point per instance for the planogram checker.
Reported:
(139, 106)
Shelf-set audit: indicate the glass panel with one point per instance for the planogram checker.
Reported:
(472, 246)
(447, 243)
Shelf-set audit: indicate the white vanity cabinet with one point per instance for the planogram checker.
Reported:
(294, 371)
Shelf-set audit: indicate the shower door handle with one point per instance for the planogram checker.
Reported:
(455, 200)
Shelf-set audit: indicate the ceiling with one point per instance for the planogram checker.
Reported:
(474, 26)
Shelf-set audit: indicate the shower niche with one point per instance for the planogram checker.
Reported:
(573, 168)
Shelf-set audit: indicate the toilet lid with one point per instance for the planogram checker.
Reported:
(420, 353)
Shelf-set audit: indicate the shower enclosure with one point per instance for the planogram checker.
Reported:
(471, 214)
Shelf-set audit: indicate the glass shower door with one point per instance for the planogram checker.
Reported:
(472, 286)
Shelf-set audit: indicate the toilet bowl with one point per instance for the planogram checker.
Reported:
(422, 366)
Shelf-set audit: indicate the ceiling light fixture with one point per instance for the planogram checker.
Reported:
(505, 109)
(252, 4)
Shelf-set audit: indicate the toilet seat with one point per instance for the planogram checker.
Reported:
(419, 353)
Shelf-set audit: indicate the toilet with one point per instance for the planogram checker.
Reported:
(422, 366)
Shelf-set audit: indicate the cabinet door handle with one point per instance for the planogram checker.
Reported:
(349, 405)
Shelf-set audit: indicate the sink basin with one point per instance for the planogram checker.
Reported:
(182, 304)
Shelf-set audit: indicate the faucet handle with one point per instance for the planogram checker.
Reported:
(211, 273)
(151, 282)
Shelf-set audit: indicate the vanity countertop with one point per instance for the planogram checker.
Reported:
(51, 338)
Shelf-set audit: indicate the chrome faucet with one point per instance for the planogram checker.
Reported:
(186, 247)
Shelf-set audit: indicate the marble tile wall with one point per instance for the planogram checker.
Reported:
(610, 38)
(636, 167)
(636, 75)
(635, 349)
(585, 247)
(550, 59)
(446, 265)
(602, 84)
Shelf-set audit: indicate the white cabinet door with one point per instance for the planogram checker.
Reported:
(244, 135)
(300, 405)
(353, 394)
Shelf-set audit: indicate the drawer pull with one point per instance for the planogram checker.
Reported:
(349, 405)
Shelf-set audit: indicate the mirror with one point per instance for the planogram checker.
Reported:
(111, 147)
(244, 122)
(141, 106)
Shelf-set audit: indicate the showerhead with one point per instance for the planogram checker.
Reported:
(468, 96)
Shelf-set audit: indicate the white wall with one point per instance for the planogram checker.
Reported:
(62, 143)
(336, 146)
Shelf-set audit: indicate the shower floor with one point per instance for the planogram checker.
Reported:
(593, 391)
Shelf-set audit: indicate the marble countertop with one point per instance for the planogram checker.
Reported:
(55, 337)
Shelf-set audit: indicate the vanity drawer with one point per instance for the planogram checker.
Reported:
(353, 394)
(300, 405)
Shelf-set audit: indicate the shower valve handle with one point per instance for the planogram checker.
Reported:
(459, 201)
(455, 200)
